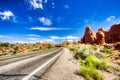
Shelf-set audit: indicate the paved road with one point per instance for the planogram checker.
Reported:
(31, 66)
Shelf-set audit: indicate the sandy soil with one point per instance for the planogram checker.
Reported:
(64, 68)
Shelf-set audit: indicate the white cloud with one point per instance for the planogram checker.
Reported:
(47, 28)
(53, 5)
(46, 1)
(56, 37)
(70, 40)
(4, 36)
(71, 37)
(33, 40)
(1, 36)
(33, 35)
(45, 21)
(64, 38)
(67, 6)
(106, 24)
(20, 41)
(110, 18)
(6, 15)
(36, 4)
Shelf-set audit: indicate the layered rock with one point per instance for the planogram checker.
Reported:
(89, 36)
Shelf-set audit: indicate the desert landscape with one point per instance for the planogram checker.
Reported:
(59, 40)
(98, 54)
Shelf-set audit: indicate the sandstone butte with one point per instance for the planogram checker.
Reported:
(102, 36)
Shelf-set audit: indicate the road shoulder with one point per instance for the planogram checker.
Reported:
(64, 68)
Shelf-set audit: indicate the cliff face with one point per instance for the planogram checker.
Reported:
(102, 36)
(89, 36)
(115, 33)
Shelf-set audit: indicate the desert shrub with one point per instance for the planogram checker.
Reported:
(115, 68)
(107, 51)
(100, 55)
(83, 53)
(14, 52)
(117, 46)
(90, 73)
(98, 63)
(49, 46)
(35, 49)
(92, 61)
(104, 64)
(4, 44)
(72, 48)
(108, 46)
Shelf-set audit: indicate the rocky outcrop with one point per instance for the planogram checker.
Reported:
(115, 33)
(106, 35)
(89, 36)
(103, 36)
(65, 43)
(100, 38)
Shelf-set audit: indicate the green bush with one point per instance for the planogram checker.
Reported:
(92, 61)
(83, 53)
(101, 63)
(90, 73)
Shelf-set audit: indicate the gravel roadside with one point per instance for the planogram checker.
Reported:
(64, 68)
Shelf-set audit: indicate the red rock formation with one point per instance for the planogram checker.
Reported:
(112, 35)
(65, 43)
(106, 34)
(100, 37)
(115, 33)
(89, 36)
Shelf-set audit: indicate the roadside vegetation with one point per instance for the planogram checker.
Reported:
(95, 60)
(11, 49)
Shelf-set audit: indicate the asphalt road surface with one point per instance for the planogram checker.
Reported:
(29, 66)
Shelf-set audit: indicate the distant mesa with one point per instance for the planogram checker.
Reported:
(102, 36)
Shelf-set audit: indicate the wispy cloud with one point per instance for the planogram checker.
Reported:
(56, 37)
(47, 28)
(36, 4)
(106, 23)
(53, 5)
(45, 21)
(6, 15)
(4, 36)
(64, 38)
(66, 6)
(33, 35)
(110, 18)
(45, 1)
(33, 40)
(20, 41)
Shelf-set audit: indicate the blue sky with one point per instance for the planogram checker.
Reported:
(28, 21)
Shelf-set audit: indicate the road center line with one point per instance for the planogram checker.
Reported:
(41, 67)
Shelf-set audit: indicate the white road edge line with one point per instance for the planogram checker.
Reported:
(11, 66)
(40, 67)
